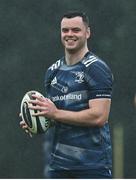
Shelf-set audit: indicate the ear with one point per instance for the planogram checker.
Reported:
(88, 32)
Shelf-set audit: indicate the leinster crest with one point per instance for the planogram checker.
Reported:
(79, 77)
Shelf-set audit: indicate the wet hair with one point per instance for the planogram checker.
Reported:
(73, 14)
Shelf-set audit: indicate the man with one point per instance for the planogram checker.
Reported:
(79, 89)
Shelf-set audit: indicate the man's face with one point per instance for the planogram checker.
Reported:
(74, 33)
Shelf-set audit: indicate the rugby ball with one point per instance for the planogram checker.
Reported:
(36, 124)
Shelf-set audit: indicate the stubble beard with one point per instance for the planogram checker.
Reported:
(75, 49)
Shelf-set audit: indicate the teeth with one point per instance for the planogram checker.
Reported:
(70, 40)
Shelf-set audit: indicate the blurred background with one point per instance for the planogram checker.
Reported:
(30, 42)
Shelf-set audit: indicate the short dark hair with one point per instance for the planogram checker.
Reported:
(72, 14)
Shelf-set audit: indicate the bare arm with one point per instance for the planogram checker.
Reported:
(96, 115)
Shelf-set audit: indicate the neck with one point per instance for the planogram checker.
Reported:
(74, 57)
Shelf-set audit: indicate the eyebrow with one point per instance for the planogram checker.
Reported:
(74, 28)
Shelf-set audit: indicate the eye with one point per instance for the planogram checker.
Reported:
(65, 30)
(76, 30)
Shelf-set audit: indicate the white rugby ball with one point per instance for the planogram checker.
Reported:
(36, 124)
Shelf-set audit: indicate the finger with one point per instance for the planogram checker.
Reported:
(28, 132)
(36, 102)
(40, 108)
(41, 113)
(22, 122)
(23, 125)
(40, 98)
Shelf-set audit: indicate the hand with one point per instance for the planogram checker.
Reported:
(44, 106)
(24, 126)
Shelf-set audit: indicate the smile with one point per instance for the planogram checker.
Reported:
(70, 39)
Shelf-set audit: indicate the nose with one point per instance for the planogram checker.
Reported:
(70, 33)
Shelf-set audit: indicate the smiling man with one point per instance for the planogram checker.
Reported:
(79, 90)
(74, 33)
